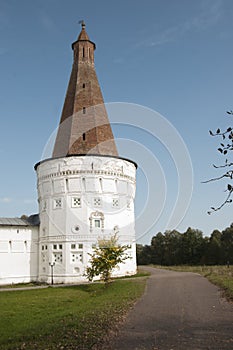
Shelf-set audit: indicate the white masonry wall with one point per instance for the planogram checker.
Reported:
(83, 199)
(18, 254)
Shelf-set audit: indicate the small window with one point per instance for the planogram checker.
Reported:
(80, 246)
(84, 184)
(115, 202)
(76, 202)
(55, 247)
(84, 110)
(57, 203)
(97, 223)
(42, 247)
(84, 85)
(97, 202)
(73, 246)
(84, 137)
(76, 229)
(83, 52)
(60, 246)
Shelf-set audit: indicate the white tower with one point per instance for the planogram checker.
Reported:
(85, 191)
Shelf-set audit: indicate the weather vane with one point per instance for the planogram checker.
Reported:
(82, 23)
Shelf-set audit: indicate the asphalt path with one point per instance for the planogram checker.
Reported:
(178, 311)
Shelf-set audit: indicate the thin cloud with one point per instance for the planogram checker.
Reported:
(29, 201)
(47, 22)
(210, 13)
(6, 200)
(11, 200)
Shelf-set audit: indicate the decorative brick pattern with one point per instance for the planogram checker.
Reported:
(84, 126)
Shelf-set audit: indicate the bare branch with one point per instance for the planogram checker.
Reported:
(215, 179)
(227, 201)
(222, 166)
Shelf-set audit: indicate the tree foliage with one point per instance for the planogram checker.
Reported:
(105, 258)
(225, 147)
(190, 248)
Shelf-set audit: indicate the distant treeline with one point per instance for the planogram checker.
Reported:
(188, 248)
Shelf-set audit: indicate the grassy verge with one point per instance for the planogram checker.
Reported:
(21, 285)
(222, 276)
(77, 317)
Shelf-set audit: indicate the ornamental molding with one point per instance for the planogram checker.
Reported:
(87, 172)
(68, 238)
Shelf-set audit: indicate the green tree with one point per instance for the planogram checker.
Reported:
(105, 258)
(213, 249)
(193, 246)
(227, 245)
(158, 249)
(172, 249)
(143, 254)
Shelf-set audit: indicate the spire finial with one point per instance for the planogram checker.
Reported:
(82, 23)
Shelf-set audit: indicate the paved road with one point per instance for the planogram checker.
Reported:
(179, 311)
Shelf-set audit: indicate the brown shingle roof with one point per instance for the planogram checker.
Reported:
(84, 126)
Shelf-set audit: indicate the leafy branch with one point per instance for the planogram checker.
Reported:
(107, 256)
(225, 147)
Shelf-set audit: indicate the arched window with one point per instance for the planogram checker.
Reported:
(96, 220)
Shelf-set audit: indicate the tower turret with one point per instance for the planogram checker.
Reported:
(84, 126)
(85, 191)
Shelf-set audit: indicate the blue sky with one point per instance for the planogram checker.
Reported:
(174, 57)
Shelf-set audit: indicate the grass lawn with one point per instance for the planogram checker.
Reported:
(77, 317)
(222, 276)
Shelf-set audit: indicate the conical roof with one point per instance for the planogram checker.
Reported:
(83, 34)
(84, 126)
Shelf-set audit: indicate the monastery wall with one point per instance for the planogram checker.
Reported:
(18, 254)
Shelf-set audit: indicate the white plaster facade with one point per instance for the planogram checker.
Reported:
(18, 252)
(82, 199)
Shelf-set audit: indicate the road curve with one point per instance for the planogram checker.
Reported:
(178, 311)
